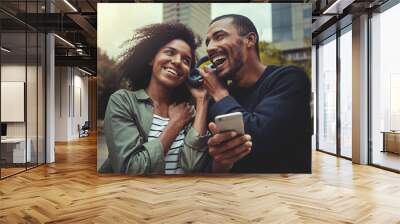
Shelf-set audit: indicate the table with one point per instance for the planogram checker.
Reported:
(13, 150)
(391, 141)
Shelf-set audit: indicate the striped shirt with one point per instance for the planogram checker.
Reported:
(172, 157)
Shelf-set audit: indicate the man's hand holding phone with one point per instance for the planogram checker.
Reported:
(228, 144)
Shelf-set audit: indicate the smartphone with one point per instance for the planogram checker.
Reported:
(195, 79)
(230, 122)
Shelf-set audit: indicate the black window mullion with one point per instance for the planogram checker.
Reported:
(369, 90)
(37, 90)
(338, 98)
(316, 97)
(44, 78)
(26, 86)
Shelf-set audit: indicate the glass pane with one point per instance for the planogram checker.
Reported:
(31, 97)
(327, 96)
(13, 87)
(41, 98)
(346, 94)
(385, 89)
(313, 95)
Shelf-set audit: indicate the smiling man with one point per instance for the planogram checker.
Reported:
(274, 101)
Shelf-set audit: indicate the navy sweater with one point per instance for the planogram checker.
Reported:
(276, 113)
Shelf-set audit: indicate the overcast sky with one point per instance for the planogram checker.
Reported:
(117, 21)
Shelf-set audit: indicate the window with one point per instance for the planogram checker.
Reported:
(385, 88)
(346, 93)
(281, 22)
(327, 96)
(23, 62)
(307, 32)
(307, 12)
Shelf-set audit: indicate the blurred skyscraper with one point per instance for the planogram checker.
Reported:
(195, 15)
(291, 30)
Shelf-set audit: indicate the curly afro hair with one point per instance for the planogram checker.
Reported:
(146, 42)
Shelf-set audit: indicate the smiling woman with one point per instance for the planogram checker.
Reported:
(171, 64)
(149, 128)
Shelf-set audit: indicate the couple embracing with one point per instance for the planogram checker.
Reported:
(161, 125)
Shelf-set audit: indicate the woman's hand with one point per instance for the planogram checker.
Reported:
(179, 116)
(199, 94)
(181, 113)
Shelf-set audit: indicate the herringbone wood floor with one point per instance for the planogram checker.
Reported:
(70, 191)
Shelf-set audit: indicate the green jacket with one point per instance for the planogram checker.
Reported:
(127, 151)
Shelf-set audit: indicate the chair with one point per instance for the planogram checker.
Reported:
(84, 130)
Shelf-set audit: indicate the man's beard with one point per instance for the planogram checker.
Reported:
(228, 76)
(232, 72)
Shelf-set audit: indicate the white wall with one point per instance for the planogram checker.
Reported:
(16, 73)
(81, 83)
(33, 126)
(61, 103)
(71, 93)
(12, 101)
(13, 72)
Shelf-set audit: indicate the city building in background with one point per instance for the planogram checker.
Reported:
(196, 16)
(291, 31)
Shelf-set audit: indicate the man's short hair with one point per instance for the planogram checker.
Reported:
(243, 24)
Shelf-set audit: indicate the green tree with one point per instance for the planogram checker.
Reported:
(270, 55)
(108, 81)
